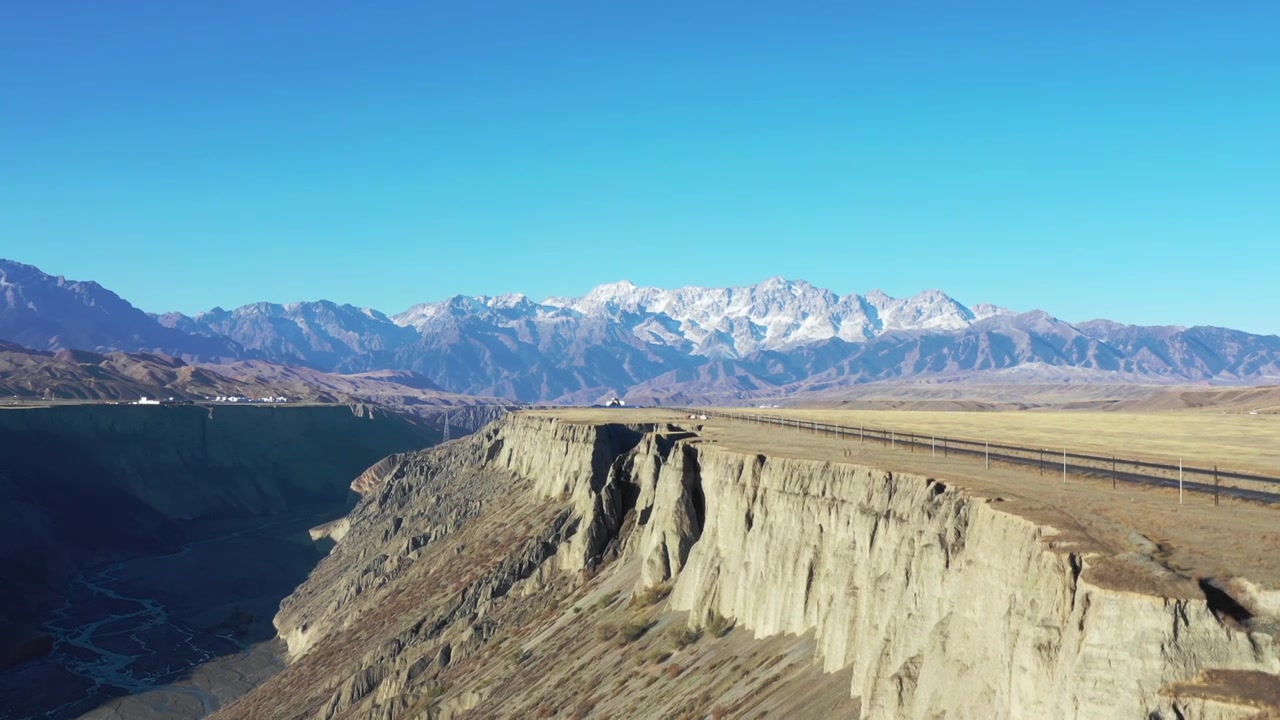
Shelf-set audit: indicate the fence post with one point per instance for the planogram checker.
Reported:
(1215, 485)
(1041, 463)
(893, 440)
(1179, 481)
(987, 453)
(1113, 472)
(913, 442)
(944, 446)
(1064, 466)
(933, 446)
(862, 436)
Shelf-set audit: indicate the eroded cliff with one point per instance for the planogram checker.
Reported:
(526, 570)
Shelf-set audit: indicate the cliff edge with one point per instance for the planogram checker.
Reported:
(547, 567)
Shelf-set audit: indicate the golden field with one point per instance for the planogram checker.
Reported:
(1231, 441)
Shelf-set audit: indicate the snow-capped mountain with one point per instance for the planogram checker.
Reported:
(775, 337)
(774, 315)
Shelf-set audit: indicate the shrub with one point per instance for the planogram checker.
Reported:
(653, 595)
(658, 656)
(607, 631)
(682, 636)
(719, 625)
(632, 631)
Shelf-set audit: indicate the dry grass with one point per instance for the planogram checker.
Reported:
(1238, 442)
(1196, 539)
(1203, 438)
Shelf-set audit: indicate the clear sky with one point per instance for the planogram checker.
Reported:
(1117, 159)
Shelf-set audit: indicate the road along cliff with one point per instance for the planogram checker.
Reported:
(568, 566)
(85, 489)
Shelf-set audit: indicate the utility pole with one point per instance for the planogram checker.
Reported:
(445, 438)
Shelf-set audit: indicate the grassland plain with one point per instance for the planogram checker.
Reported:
(1243, 442)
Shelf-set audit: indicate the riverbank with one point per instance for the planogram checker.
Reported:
(173, 636)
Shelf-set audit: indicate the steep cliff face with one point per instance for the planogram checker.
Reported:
(481, 579)
(937, 602)
(87, 484)
(187, 462)
(412, 503)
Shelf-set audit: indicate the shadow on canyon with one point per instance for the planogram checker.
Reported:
(129, 629)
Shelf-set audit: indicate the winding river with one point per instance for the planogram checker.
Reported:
(116, 645)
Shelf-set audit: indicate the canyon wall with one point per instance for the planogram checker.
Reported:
(82, 485)
(939, 603)
(934, 603)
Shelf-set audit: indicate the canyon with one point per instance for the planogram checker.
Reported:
(645, 564)
(141, 542)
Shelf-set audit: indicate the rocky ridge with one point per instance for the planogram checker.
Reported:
(694, 344)
(527, 570)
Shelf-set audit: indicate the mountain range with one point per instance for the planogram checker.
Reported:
(646, 344)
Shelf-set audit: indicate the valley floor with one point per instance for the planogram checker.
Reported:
(169, 637)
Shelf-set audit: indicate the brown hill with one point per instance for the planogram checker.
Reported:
(34, 375)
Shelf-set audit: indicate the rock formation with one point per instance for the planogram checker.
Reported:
(550, 568)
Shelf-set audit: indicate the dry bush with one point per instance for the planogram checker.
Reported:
(605, 601)
(682, 636)
(631, 631)
(606, 631)
(673, 671)
(719, 625)
(653, 595)
(658, 655)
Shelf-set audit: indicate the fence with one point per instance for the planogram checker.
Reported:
(1211, 480)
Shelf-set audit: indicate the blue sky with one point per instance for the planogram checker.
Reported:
(1088, 158)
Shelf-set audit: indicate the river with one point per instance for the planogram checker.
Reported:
(171, 636)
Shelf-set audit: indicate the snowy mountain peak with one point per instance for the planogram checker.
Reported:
(777, 336)
(774, 314)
